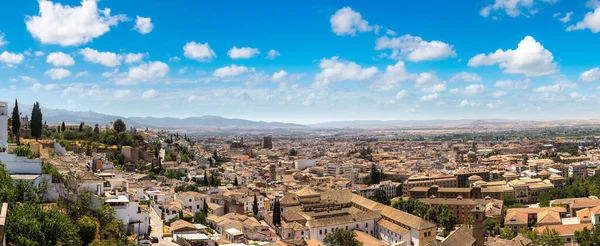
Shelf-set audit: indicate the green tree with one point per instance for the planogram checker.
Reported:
(96, 128)
(276, 213)
(340, 237)
(63, 127)
(87, 229)
(205, 208)
(36, 124)
(255, 206)
(235, 182)
(293, 152)
(31, 224)
(205, 178)
(375, 175)
(412, 206)
(491, 226)
(380, 196)
(507, 233)
(16, 120)
(119, 126)
(549, 237)
(587, 237)
(512, 202)
(199, 217)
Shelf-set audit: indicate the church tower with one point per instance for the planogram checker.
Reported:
(478, 214)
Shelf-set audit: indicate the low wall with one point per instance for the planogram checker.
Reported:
(21, 165)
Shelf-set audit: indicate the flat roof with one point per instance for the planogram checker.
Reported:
(120, 198)
(196, 236)
(25, 176)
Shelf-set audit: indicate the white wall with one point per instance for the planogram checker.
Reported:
(21, 165)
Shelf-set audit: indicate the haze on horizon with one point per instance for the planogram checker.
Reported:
(323, 61)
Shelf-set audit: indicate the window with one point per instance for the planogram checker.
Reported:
(367, 225)
(320, 232)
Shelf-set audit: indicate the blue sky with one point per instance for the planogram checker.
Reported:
(305, 61)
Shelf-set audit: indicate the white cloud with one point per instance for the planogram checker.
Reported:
(143, 25)
(37, 87)
(335, 70)
(134, 57)
(548, 89)
(174, 59)
(470, 90)
(591, 75)
(415, 48)
(109, 74)
(392, 77)
(465, 77)
(564, 19)
(510, 84)
(230, 71)
(108, 59)
(2, 39)
(242, 53)
(466, 103)
(122, 94)
(82, 74)
(346, 21)
(429, 97)
(277, 76)
(58, 73)
(69, 26)
(38, 53)
(27, 79)
(272, 54)
(591, 21)
(11, 58)
(401, 94)
(60, 59)
(514, 8)
(390, 32)
(576, 96)
(499, 93)
(494, 104)
(149, 94)
(429, 83)
(145, 72)
(198, 51)
(530, 58)
(13, 80)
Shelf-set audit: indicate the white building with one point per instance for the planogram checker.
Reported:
(578, 170)
(193, 200)
(129, 212)
(334, 169)
(304, 164)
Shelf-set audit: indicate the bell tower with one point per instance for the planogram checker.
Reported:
(478, 214)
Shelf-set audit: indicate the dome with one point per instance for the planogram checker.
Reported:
(475, 178)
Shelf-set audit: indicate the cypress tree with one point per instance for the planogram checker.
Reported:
(255, 206)
(205, 178)
(63, 127)
(235, 182)
(16, 120)
(36, 121)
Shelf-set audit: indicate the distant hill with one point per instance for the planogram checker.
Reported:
(56, 116)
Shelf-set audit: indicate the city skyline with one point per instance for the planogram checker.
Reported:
(305, 62)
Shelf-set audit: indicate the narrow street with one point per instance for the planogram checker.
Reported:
(157, 228)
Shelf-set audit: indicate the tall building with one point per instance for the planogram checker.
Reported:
(3, 126)
(478, 214)
(268, 142)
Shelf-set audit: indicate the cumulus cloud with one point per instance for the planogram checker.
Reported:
(58, 73)
(429, 83)
(230, 71)
(513, 8)
(60, 59)
(134, 57)
(401, 94)
(272, 54)
(591, 75)
(415, 48)
(465, 77)
(149, 94)
(38, 53)
(392, 77)
(346, 21)
(145, 72)
(429, 97)
(37, 87)
(2, 39)
(336, 70)
(242, 53)
(82, 74)
(591, 21)
(69, 26)
(466, 103)
(510, 84)
(499, 93)
(122, 94)
(549, 89)
(11, 58)
(143, 25)
(470, 90)
(198, 51)
(108, 59)
(278, 76)
(530, 58)
(27, 79)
